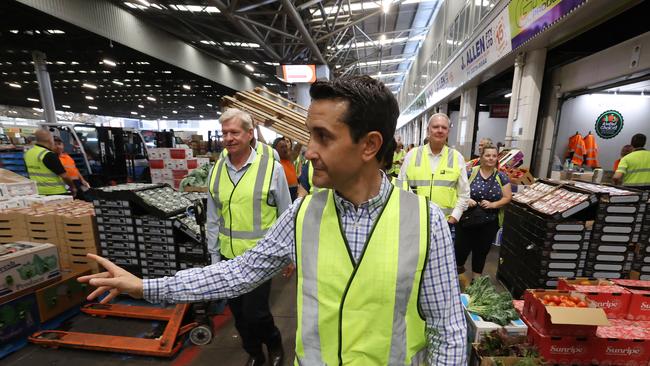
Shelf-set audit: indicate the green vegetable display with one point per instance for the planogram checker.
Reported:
(492, 306)
(197, 178)
(498, 343)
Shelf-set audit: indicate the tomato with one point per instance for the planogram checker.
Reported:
(547, 297)
(564, 298)
(555, 298)
(585, 283)
(570, 304)
(563, 305)
(575, 299)
(581, 304)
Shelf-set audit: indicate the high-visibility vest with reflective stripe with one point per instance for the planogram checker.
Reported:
(47, 182)
(298, 163)
(396, 157)
(577, 149)
(635, 167)
(244, 212)
(400, 183)
(365, 313)
(472, 176)
(438, 186)
(591, 151)
(310, 178)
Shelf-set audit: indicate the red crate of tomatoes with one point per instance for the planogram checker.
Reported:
(562, 313)
(614, 300)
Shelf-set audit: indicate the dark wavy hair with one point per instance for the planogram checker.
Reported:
(371, 107)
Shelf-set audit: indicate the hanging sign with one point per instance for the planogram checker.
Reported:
(531, 17)
(609, 124)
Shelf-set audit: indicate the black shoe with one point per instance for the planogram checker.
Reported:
(276, 355)
(255, 361)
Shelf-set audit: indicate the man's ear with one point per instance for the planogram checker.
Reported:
(371, 145)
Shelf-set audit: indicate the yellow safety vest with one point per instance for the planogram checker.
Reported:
(400, 183)
(244, 212)
(47, 182)
(472, 176)
(396, 157)
(365, 313)
(635, 167)
(438, 186)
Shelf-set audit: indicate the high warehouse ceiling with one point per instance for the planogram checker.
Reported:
(91, 74)
(379, 38)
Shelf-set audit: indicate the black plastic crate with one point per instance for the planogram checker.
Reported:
(114, 220)
(158, 255)
(153, 272)
(151, 221)
(152, 230)
(618, 219)
(112, 228)
(111, 204)
(123, 261)
(110, 211)
(155, 239)
(109, 244)
(117, 237)
(119, 253)
(602, 228)
(188, 265)
(155, 247)
(157, 263)
(192, 250)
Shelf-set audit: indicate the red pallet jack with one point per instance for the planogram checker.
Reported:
(167, 345)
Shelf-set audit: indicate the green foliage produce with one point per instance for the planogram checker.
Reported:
(492, 306)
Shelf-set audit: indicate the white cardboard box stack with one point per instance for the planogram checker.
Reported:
(170, 166)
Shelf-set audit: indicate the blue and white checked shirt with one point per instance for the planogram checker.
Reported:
(439, 297)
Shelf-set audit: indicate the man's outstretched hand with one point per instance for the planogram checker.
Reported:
(115, 281)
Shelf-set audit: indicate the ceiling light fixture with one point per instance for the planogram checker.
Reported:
(249, 67)
(508, 95)
(190, 106)
(118, 82)
(109, 62)
(89, 86)
(65, 106)
(151, 99)
(209, 105)
(14, 85)
(134, 113)
(89, 97)
(140, 106)
(186, 87)
(33, 100)
(92, 107)
(175, 112)
(144, 2)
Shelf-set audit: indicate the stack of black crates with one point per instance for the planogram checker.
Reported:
(144, 239)
(642, 258)
(598, 238)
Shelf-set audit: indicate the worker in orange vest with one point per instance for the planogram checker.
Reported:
(576, 150)
(591, 150)
(70, 167)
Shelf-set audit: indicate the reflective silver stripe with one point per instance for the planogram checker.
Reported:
(642, 170)
(257, 192)
(407, 261)
(420, 358)
(215, 187)
(418, 156)
(40, 154)
(257, 234)
(399, 183)
(435, 183)
(309, 268)
(450, 157)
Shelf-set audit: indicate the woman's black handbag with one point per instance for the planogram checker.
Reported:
(474, 216)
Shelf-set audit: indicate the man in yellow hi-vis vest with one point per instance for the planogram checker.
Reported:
(634, 168)
(437, 171)
(377, 281)
(45, 168)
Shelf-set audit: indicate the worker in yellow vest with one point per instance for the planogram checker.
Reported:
(634, 168)
(377, 281)
(45, 168)
(437, 171)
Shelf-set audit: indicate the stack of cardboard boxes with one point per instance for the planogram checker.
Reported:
(170, 166)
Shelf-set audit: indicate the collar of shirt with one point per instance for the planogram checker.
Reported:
(44, 147)
(431, 152)
(346, 207)
(251, 159)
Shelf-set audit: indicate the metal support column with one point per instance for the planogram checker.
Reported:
(44, 86)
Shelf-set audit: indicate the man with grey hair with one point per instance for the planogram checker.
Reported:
(256, 143)
(438, 172)
(248, 192)
(45, 168)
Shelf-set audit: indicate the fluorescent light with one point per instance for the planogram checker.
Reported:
(89, 86)
(140, 106)
(507, 95)
(165, 117)
(33, 100)
(89, 97)
(142, 115)
(175, 112)
(388, 75)
(200, 116)
(209, 105)
(14, 85)
(249, 67)
(186, 87)
(134, 113)
(109, 62)
(190, 106)
(118, 82)
(385, 5)
(65, 106)
(92, 107)
(151, 99)
(144, 2)
(38, 109)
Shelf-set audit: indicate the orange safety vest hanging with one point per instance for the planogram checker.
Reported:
(591, 148)
(576, 149)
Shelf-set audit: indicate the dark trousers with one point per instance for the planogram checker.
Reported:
(254, 321)
(476, 240)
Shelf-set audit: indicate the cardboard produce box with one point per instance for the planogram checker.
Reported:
(14, 185)
(25, 266)
(614, 300)
(477, 327)
(562, 321)
(564, 350)
(639, 308)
